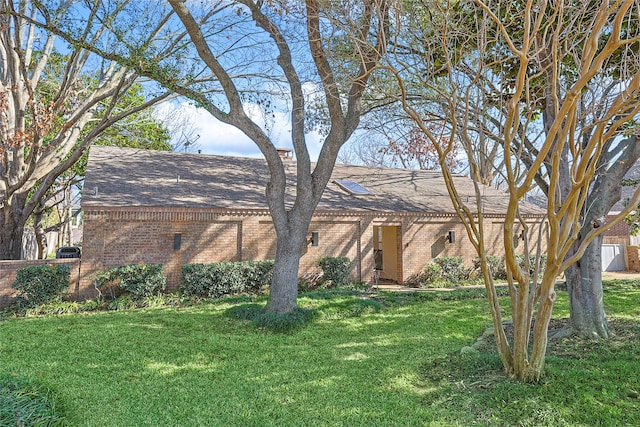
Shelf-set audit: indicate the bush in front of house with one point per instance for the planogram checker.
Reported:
(432, 274)
(38, 284)
(496, 264)
(225, 278)
(532, 262)
(335, 271)
(499, 269)
(138, 280)
(453, 269)
(443, 271)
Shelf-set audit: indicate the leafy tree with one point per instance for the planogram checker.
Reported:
(595, 104)
(51, 109)
(417, 149)
(367, 19)
(139, 129)
(488, 71)
(253, 56)
(520, 49)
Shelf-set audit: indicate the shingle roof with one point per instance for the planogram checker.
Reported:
(627, 191)
(132, 177)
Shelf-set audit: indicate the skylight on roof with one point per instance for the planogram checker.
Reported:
(351, 187)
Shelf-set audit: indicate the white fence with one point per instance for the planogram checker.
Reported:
(613, 258)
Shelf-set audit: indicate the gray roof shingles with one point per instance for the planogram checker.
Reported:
(132, 177)
(627, 191)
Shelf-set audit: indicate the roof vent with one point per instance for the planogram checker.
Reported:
(351, 187)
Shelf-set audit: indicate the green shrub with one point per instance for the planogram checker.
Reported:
(309, 282)
(138, 280)
(432, 274)
(225, 278)
(335, 271)
(532, 262)
(496, 264)
(23, 403)
(37, 284)
(498, 267)
(442, 271)
(453, 269)
(123, 303)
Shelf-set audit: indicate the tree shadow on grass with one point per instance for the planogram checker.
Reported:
(301, 316)
(581, 375)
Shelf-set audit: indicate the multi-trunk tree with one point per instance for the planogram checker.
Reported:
(245, 56)
(55, 100)
(594, 103)
(140, 129)
(551, 55)
(302, 37)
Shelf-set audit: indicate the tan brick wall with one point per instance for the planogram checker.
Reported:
(136, 236)
(426, 239)
(615, 240)
(121, 238)
(8, 270)
(633, 260)
(337, 237)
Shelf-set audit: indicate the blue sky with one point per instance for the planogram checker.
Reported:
(219, 138)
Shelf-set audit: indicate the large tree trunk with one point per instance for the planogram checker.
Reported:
(584, 285)
(283, 292)
(584, 278)
(11, 237)
(12, 220)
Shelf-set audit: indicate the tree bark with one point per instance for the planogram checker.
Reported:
(13, 222)
(584, 278)
(283, 292)
(11, 241)
(291, 222)
(584, 285)
(38, 229)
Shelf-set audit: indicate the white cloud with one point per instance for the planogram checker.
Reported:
(219, 138)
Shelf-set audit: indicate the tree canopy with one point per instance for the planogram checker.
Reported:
(242, 60)
(56, 99)
(500, 73)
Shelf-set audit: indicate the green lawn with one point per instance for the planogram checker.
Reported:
(396, 366)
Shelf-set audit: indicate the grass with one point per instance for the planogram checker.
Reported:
(392, 361)
(24, 403)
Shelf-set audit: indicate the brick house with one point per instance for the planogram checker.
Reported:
(620, 248)
(179, 208)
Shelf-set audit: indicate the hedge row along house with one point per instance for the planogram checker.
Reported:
(171, 208)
